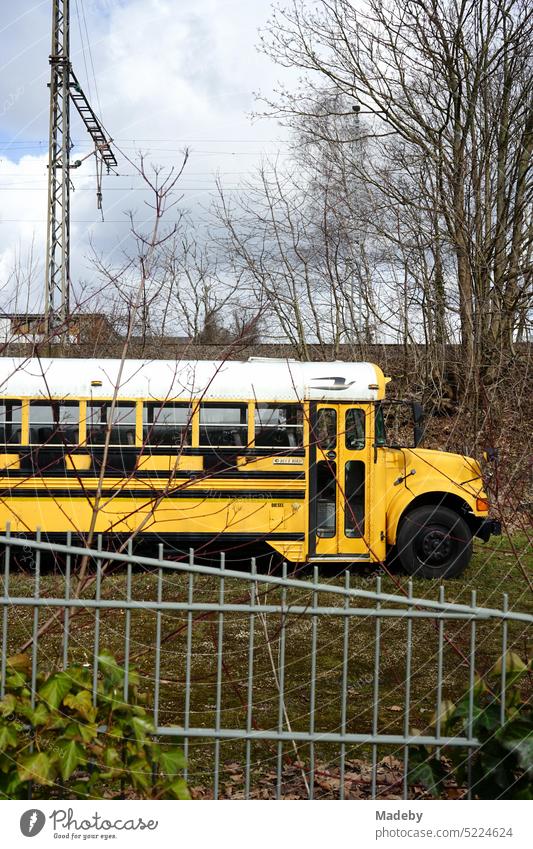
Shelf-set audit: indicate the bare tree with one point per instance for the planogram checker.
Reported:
(447, 84)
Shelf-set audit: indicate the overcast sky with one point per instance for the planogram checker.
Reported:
(169, 73)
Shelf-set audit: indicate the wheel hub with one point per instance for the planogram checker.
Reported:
(435, 545)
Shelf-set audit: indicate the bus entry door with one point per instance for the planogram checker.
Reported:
(338, 481)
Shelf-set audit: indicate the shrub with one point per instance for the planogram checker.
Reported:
(67, 746)
(502, 766)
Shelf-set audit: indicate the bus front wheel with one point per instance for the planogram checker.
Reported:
(434, 542)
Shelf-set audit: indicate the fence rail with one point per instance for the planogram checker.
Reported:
(262, 669)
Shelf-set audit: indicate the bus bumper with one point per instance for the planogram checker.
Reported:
(487, 528)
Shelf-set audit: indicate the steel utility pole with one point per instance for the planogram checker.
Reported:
(63, 86)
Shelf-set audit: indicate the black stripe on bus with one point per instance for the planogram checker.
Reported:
(185, 536)
(142, 474)
(189, 492)
(156, 450)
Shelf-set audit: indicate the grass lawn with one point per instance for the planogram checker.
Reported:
(497, 568)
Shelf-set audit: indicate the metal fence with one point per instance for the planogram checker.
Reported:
(284, 679)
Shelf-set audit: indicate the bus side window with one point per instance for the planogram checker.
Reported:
(167, 424)
(54, 422)
(122, 427)
(10, 422)
(278, 426)
(355, 429)
(224, 425)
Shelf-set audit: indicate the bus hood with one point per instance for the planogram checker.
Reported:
(459, 471)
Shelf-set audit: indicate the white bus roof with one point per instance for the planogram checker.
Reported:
(180, 380)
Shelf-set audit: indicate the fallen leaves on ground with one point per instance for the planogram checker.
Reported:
(295, 781)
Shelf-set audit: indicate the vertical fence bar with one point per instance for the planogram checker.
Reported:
(503, 695)
(407, 707)
(66, 610)
(344, 682)
(281, 682)
(187, 707)
(312, 695)
(250, 689)
(375, 689)
(5, 608)
(218, 697)
(127, 625)
(157, 672)
(471, 685)
(96, 648)
(440, 672)
(35, 636)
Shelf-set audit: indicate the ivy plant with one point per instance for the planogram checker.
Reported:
(502, 766)
(70, 745)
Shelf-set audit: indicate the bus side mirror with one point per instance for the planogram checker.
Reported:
(418, 419)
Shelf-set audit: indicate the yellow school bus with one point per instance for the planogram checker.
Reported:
(270, 455)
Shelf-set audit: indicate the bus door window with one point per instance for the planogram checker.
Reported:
(325, 432)
(325, 435)
(326, 494)
(355, 429)
(354, 493)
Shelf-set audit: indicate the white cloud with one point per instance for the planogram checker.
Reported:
(167, 73)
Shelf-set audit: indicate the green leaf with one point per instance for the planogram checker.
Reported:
(142, 728)
(55, 689)
(88, 731)
(84, 732)
(489, 718)
(517, 737)
(116, 732)
(8, 704)
(112, 672)
(82, 703)
(171, 761)
(179, 789)
(11, 785)
(141, 773)
(426, 770)
(16, 681)
(38, 715)
(8, 737)
(81, 676)
(513, 663)
(70, 755)
(462, 712)
(112, 758)
(36, 767)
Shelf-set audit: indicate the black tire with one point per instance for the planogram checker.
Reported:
(434, 542)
